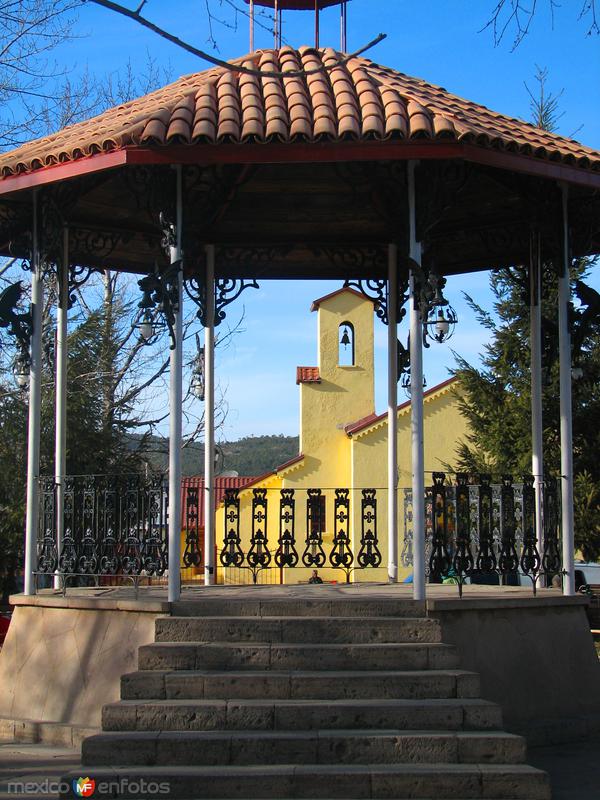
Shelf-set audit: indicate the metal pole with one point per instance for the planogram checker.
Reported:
(344, 26)
(276, 24)
(392, 309)
(416, 401)
(60, 443)
(251, 26)
(566, 414)
(209, 420)
(35, 403)
(175, 413)
(317, 32)
(537, 443)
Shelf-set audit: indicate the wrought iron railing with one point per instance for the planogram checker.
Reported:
(111, 526)
(476, 531)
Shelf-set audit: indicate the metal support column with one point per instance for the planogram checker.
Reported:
(35, 403)
(535, 335)
(175, 412)
(344, 26)
(209, 421)
(566, 414)
(251, 26)
(416, 400)
(392, 311)
(60, 441)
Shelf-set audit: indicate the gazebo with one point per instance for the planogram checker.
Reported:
(303, 164)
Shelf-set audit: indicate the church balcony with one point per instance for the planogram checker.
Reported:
(110, 530)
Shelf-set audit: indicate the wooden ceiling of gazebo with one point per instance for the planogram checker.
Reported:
(302, 175)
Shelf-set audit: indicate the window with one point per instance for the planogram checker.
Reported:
(346, 345)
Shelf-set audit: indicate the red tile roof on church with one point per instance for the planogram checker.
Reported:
(372, 419)
(357, 101)
(307, 375)
(221, 484)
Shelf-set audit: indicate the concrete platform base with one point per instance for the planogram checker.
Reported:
(64, 656)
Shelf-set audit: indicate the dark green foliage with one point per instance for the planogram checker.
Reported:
(497, 394)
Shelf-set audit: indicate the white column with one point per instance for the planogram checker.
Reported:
(566, 415)
(35, 403)
(416, 401)
(392, 310)
(175, 416)
(535, 338)
(209, 421)
(60, 442)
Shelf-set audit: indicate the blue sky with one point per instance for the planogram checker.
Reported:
(438, 41)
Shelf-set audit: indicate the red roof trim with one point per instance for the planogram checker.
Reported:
(366, 422)
(316, 303)
(274, 473)
(276, 153)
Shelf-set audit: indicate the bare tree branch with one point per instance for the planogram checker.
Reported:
(134, 15)
(518, 16)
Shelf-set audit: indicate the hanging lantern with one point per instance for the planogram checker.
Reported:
(146, 327)
(197, 381)
(21, 371)
(441, 318)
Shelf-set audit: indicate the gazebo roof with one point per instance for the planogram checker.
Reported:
(360, 101)
(295, 167)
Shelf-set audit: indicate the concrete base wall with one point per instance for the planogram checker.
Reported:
(61, 664)
(536, 658)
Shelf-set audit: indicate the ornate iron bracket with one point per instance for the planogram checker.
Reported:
(226, 291)
(20, 325)
(377, 291)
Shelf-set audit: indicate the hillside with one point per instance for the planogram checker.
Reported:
(252, 455)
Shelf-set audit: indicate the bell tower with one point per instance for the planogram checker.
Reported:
(341, 389)
(279, 6)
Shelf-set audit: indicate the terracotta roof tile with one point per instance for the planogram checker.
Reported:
(358, 100)
(307, 375)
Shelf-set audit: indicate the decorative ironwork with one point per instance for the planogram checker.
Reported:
(226, 291)
(286, 554)
(490, 530)
(486, 562)
(508, 561)
(530, 557)
(47, 549)
(192, 556)
(406, 556)
(341, 556)
(314, 554)
(232, 554)
(19, 324)
(112, 526)
(259, 555)
(440, 560)
(78, 276)
(462, 561)
(369, 554)
(551, 561)
(377, 291)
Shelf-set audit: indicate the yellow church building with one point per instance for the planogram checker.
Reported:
(332, 497)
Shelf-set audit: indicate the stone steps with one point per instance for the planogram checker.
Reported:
(213, 748)
(306, 698)
(381, 781)
(227, 655)
(350, 607)
(183, 715)
(276, 685)
(291, 630)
